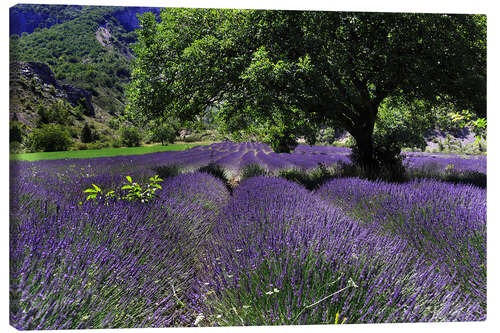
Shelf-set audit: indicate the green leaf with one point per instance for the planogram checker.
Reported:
(129, 179)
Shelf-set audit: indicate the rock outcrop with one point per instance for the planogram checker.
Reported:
(42, 73)
(26, 18)
(127, 16)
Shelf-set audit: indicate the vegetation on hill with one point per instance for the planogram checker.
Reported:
(86, 47)
(75, 55)
(36, 101)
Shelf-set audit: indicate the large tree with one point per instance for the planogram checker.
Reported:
(287, 73)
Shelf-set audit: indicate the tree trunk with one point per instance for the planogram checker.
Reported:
(365, 151)
(364, 154)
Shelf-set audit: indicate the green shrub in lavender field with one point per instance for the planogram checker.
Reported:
(96, 193)
(310, 179)
(281, 255)
(134, 191)
(252, 170)
(169, 170)
(216, 170)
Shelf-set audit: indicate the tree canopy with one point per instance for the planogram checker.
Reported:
(284, 74)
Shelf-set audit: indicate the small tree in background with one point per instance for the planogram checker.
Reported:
(57, 113)
(130, 136)
(16, 136)
(163, 133)
(43, 115)
(114, 124)
(328, 135)
(86, 134)
(15, 132)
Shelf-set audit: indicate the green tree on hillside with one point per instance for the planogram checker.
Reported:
(87, 136)
(284, 74)
(16, 132)
(57, 113)
(50, 138)
(162, 132)
(130, 136)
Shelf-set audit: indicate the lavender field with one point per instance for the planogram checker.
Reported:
(263, 251)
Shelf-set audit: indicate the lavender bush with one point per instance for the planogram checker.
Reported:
(232, 156)
(444, 222)
(281, 255)
(270, 253)
(125, 264)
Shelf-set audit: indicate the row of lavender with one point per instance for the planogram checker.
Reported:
(233, 156)
(121, 264)
(109, 172)
(237, 155)
(399, 253)
(273, 253)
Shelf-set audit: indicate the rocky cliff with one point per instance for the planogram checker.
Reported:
(43, 75)
(127, 16)
(27, 18)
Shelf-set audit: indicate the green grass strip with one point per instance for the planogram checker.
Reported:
(106, 152)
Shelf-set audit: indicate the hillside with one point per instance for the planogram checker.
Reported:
(86, 48)
(28, 18)
(37, 98)
(77, 52)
